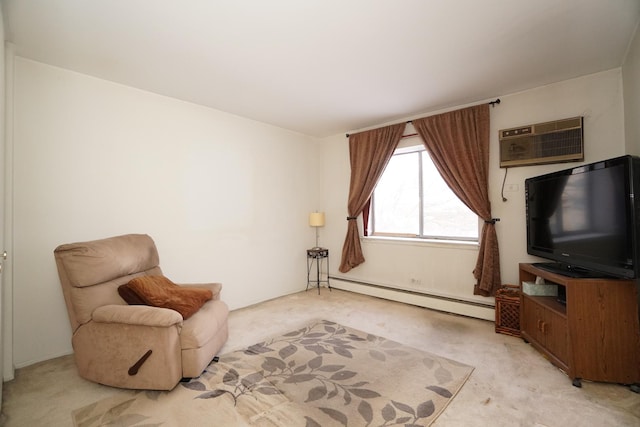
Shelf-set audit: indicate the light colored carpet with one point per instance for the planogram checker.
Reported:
(512, 384)
(319, 375)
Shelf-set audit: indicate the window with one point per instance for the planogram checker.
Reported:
(412, 200)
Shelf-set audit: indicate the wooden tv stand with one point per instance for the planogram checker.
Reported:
(594, 336)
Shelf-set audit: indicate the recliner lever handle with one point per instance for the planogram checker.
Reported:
(136, 366)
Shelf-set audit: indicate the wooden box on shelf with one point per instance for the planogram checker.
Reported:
(508, 310)
(593, 335)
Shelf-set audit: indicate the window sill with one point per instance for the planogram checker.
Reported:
(412, 241)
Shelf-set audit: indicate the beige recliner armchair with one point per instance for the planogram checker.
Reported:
(133, 346)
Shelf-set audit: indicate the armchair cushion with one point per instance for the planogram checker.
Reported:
(159, 291)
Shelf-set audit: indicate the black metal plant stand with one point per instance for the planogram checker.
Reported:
(317, 255)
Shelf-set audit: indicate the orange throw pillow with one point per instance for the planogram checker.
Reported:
(158, 291)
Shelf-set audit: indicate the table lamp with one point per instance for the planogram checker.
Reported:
(316, 219)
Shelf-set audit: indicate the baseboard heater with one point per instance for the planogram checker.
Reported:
(437, 302)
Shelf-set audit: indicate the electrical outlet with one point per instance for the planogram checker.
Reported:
(415, 281)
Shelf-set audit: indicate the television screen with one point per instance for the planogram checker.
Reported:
(584, 218)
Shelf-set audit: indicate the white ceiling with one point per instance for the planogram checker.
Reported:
(322, 67)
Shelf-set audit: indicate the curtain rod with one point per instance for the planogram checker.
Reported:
(492, 103)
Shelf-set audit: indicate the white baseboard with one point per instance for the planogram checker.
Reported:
(435, 302)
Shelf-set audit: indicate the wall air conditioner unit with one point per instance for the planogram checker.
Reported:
(550, 142)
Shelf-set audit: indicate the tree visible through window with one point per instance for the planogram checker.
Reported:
(412, 200)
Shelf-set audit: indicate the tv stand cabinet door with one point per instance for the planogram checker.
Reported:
(556, 334)
(532, 315)
(545, 329)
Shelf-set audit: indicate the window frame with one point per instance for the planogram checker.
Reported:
(413, 144)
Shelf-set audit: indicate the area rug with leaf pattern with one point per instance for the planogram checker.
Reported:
(322, 375)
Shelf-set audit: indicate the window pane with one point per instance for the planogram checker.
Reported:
(397, 198)
(444, 214)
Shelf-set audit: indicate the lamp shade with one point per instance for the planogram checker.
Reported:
(316, 219)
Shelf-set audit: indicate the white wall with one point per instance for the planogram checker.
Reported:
(225, 198)
(448, 270)
(631, 83)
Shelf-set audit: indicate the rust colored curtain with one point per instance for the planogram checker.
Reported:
(369, 154)
(458, 143)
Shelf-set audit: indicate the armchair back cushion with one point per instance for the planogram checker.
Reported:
(91, 272)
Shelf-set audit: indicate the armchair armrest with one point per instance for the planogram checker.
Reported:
(143, 315)
(215, 288)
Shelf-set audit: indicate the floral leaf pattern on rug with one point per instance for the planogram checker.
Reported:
(322, 374)
(441, 391)
(326, 381)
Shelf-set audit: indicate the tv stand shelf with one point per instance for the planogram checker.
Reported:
(595, 336)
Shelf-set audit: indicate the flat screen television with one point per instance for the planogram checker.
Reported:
(585, 219)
